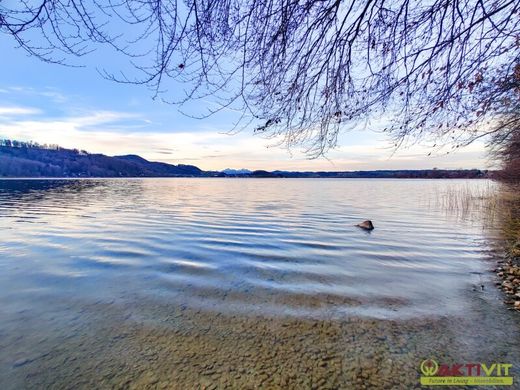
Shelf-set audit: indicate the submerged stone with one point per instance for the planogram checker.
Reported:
(367, 225)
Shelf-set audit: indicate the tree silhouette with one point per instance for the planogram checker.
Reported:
(503, 96)
(302, 70)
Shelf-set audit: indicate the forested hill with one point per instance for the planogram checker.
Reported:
(27, 159)
(20, 159)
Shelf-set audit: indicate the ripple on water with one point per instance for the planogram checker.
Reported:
(292, 239)
(244, 283)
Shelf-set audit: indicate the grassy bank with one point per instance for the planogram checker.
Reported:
(499, 206)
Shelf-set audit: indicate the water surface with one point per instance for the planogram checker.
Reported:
(241, 283)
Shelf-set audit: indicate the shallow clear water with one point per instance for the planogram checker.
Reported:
(95, 270)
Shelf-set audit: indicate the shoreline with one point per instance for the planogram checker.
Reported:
(236, 177)
(508, 275)
(508, 265)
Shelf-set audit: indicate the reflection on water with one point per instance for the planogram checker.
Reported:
(240, 282)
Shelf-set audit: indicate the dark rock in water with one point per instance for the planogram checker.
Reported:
(367, 225)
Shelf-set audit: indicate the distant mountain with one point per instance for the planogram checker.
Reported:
(236, 172)
(133, 158)
(18, 159)
(163, 169)
(265, 174)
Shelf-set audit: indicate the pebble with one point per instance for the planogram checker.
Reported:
(22, 362)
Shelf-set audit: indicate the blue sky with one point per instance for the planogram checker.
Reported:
(76, 107)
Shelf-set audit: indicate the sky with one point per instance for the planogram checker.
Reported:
(75, 107)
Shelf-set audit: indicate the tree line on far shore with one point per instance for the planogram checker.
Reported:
(30, 159)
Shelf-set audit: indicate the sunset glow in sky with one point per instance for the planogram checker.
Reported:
(75, 107)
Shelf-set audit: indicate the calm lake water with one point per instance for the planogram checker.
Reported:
(243, 283)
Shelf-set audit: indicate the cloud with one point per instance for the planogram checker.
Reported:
(97, 118)
(49, 93)
(115, 132)
(95, 133)
(13, 110)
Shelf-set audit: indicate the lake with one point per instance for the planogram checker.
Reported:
(243, 283)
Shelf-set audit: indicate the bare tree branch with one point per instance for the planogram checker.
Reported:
(300, 70)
